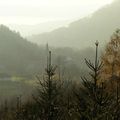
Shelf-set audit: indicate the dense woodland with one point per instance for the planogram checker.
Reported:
(62, 91)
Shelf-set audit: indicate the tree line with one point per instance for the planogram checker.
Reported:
(91, 98)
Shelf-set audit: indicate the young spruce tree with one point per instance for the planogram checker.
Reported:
(48, 93)
(95, 100)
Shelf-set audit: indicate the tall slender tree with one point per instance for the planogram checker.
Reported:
(48, 93)
(95, 99)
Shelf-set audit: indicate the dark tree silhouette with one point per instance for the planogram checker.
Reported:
(48, 93)
(95, 99)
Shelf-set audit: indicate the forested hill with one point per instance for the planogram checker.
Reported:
(84, 32)
(17, 55)
(23, 58)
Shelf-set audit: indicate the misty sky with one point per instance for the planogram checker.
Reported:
(37, 11)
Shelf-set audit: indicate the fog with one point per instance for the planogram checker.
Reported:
(59, 60)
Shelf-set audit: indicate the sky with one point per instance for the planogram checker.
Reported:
(30, 12)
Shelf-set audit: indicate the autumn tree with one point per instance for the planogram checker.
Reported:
(111, 68)
(111, 57)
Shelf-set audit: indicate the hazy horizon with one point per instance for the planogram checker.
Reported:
(34, 12)
(35, 17)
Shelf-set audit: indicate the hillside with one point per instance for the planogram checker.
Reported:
(84, 32)
(17, 55)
